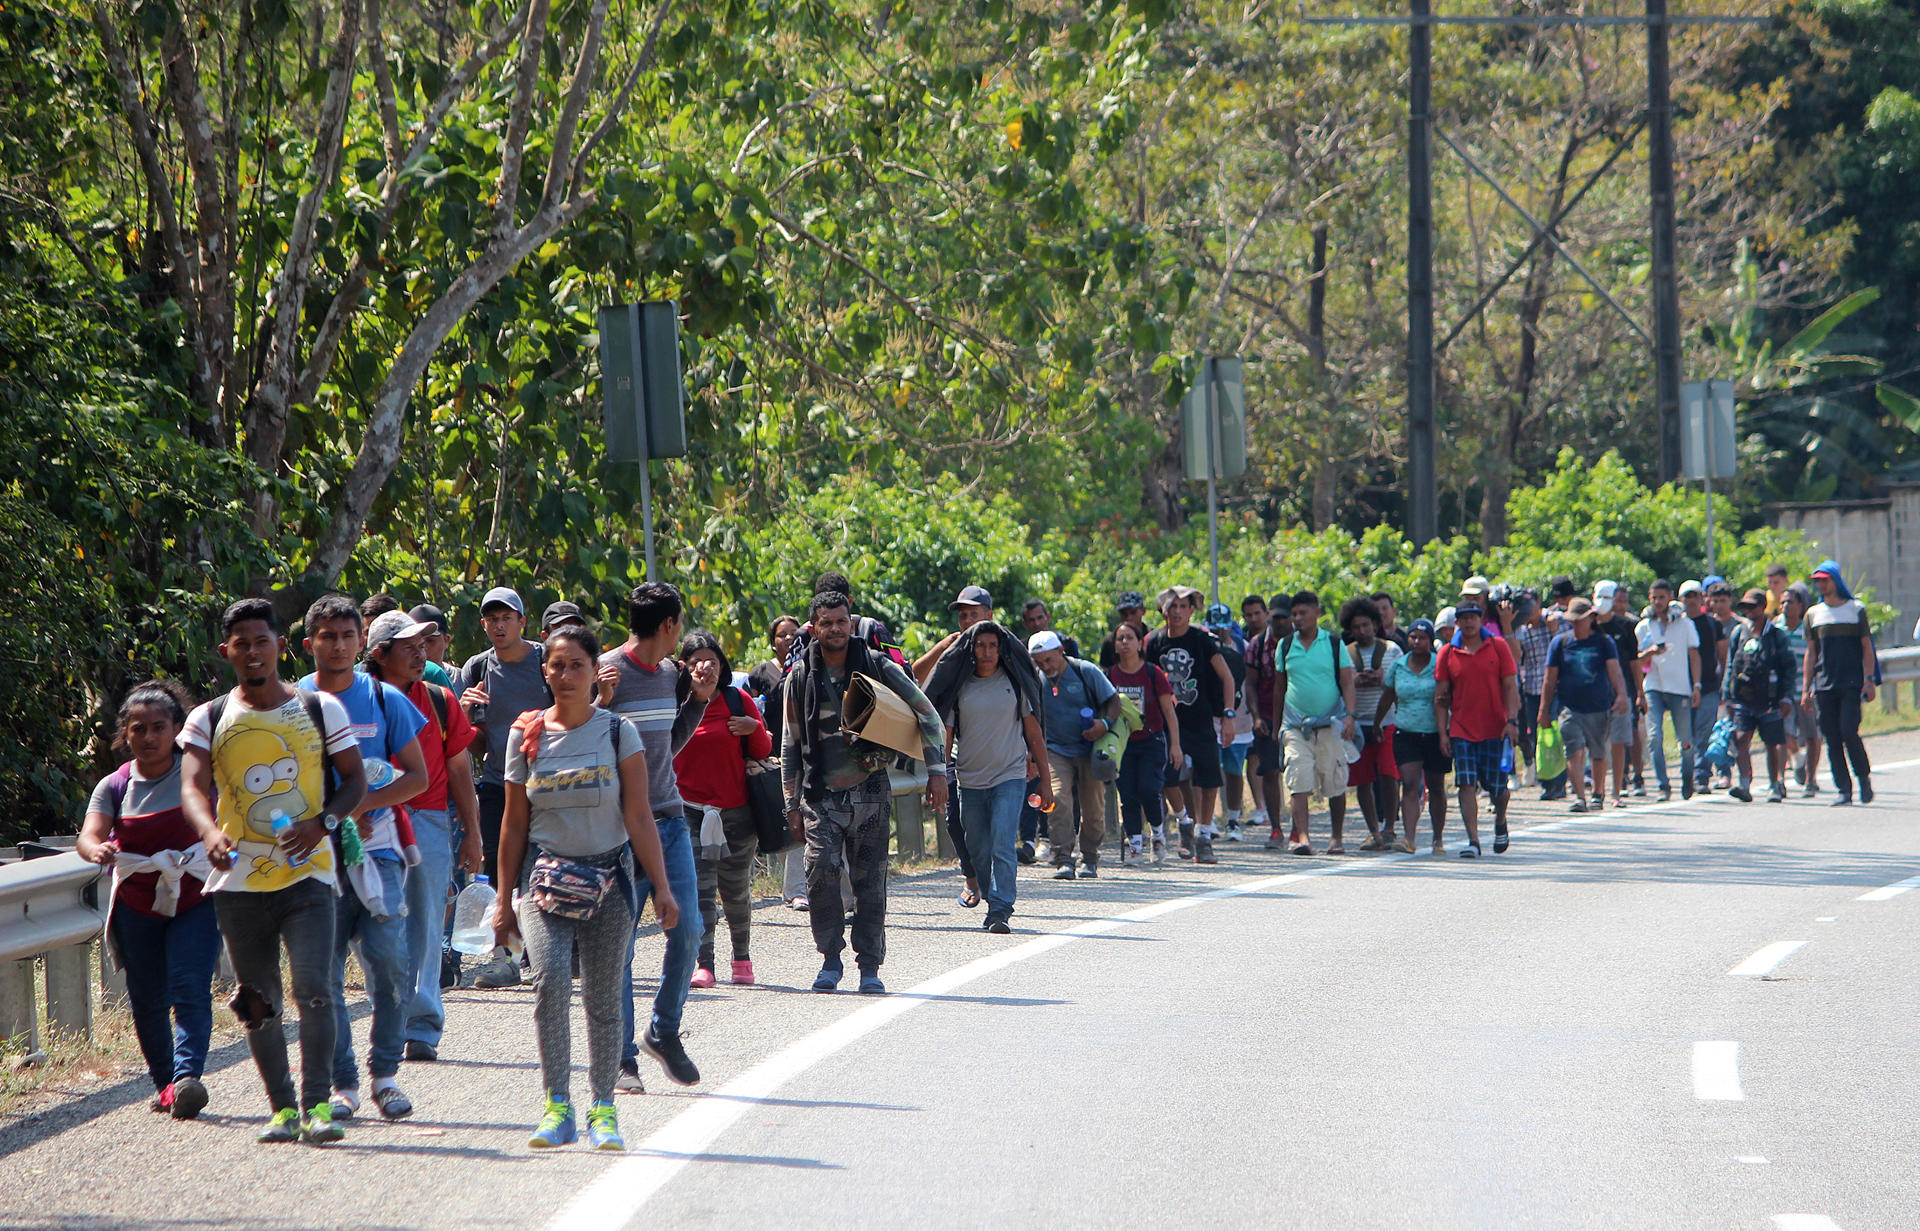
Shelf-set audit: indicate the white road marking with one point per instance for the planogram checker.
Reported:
(618, 1194)
(1825, 918)
(1761, 964)
(1890, 891)
(1752, 1160)
(1716, 1071)
(1805, 1222)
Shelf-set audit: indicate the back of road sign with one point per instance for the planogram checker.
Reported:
(1219, 389)
(1706, 428)
(640, 381)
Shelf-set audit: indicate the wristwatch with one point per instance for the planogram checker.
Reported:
(1227, 714)
(331, 821)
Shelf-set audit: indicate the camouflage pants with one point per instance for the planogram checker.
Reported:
(850, 829)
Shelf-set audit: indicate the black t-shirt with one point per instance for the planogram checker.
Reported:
(1188, 662)
(1711, 635)
(1626, 639)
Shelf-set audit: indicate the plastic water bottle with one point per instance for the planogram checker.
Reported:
(282, 825)
(1506, 756)
(472, 928)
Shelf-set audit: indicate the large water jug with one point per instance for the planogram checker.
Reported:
(472, 918)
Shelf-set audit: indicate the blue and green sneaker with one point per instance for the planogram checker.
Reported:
(284, 1126)
(556, 1127)
(603, 1127)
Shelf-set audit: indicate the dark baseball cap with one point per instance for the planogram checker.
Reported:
(971, 596)
(560, 613)
(427, 613)
(1561, 587)
(1127, 599)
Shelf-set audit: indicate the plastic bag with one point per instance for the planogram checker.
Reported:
(1550, 753)
(1720, 744)
(713, 834)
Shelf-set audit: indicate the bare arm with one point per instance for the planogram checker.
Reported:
(1388, 699)
(1346, 697)
(1443, 712)
(1619, 682)
(512, 853)
(1693, 665)
(923, 666)
(466, 806)
(1553, 685)
(92, 842)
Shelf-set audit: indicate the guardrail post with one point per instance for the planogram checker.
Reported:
(910, 826)
(18, 1013)
(70, 990)
(113, 983)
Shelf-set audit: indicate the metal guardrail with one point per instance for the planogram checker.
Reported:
(909, 817)
(1897, 667)
(53, 907)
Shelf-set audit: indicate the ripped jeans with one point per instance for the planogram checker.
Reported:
(255, 926)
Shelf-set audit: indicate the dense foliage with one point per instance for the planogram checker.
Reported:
(301, 293)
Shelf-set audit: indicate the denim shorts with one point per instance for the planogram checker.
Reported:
(1748, 719)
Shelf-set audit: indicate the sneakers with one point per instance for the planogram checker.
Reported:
(1866, 791)
(500, 971)
(1578, 805)
(1741, 793)
(1186, 840)
(189, 1096)
(1841, 801)
(1159, 850)
(449, 969)
(870, 984)
(1276, 841)
(1778, 793)
(1024, 852)
(603, 1128)
(998, 925)
(556, 1127)
(628, 1082)
(702, 978)
(417, 1050)
(1089, 871)
(1233, 833)
(1813, 788)
(1203, 851)
(742, 972)
(162, 1101)
(1133, 853)
(828, 980)
(284, 1126)
(672, 1057)
(1064, 872)
(1043, 851)
(318, 1128)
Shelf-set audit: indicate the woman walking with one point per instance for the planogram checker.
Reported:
(1150, 749)
(1372, 776)
(1407, 692)
(163, 928)
(576, 788)
(712, 770)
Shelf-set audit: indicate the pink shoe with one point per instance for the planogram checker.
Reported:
(702, 977)
(743, 972)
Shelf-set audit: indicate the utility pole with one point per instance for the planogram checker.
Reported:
(1666, 292)
(1423, 515)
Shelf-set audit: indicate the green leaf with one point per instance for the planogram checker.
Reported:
(1817, 329)
(1900, 404)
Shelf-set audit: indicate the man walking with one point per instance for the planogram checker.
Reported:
(1803, 730)
(1713, 661)
(496, 686)
(1838, 675)
(973, 607)
(1670, 644)
(264, 751)
(1038, 619)
(1583, 673)
(396, 655)
(1191, 659)
(372, 909)
(837, 793)
(1477, 700)
(1079, 705)
(640, 681)
(1760, 678)
(1263, 755)
(1313, 694)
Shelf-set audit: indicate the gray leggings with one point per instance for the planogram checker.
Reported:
(601, 943)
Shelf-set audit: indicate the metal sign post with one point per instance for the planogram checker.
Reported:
(1706, 442)
(642, 394)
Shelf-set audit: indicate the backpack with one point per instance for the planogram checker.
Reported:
(1750, 672)
(1314, 721)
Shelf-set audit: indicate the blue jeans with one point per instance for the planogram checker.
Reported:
(1705, 715)
(169, 986)
(683, 941)
(427, 921)
(383, 958)
(1029, 816)
(991, 818)
(1142, 770)
(1680, 706)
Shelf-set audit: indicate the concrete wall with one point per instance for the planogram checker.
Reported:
(1877, 543)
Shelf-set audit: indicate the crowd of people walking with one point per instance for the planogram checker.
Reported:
(339, 813)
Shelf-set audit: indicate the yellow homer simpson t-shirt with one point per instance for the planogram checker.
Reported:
(266, 761)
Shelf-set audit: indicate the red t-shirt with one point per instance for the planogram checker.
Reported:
(1477, 680)
(711, 771)
(437, 748)
(1146, 686)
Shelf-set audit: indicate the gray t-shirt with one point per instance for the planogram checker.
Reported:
(573, 786)
(989, 740)
(512, 690)
(645, 697)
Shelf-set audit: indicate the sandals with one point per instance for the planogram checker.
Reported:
(969, 898)
(1374, 844)
(1404, 846)
(392, 1103)
(1339, 848)
(1300, 848)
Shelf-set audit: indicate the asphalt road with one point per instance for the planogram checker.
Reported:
(1551, 1038)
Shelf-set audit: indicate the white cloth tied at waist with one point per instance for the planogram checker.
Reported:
(171, 866)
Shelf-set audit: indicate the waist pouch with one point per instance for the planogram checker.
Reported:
(571, 888)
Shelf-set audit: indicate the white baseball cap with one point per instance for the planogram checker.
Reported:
(1691, 587)
(1044, 640)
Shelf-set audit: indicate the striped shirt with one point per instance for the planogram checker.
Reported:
(645, 697)
(1836, 632)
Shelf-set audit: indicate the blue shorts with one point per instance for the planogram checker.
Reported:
(1476, 762)
(1233, 761)
(1748, 719)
